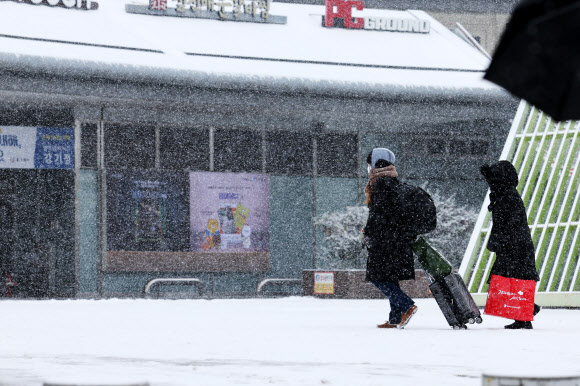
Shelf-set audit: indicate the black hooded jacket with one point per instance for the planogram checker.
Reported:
(510, 235)
(390, 256)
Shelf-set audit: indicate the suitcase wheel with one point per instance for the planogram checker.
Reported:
(471, 320)
(460, 327)
(478, 320)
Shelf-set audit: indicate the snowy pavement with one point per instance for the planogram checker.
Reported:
(288, 341)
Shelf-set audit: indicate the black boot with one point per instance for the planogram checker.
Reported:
(537, 309)
(519, 325)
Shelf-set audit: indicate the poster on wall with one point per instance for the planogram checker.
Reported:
(230, 212)
(36, 148)
(147, 211)
(159, 221)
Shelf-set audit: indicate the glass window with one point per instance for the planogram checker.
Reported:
(89, 145)
(436, 146)
(289, 153)
(237, 150)
(459, 147)
(128, 146)
(480, 147)
(184, 148)
(415, 144)
(337, 155)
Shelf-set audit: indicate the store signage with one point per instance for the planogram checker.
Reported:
(324, 283)
(254, 11)
(339, 15)
(36, 148)
(72, 4)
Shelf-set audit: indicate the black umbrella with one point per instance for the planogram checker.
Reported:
(538, 56)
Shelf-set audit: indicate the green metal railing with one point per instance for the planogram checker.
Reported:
(546, 155)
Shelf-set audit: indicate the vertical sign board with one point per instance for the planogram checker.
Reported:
(324, 283)
(36, 148)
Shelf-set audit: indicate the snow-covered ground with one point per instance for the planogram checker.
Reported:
(291, 341)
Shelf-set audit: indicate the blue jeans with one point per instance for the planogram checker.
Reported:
(400, 301)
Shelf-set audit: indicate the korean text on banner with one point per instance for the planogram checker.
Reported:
(55, 149)
(36, 148)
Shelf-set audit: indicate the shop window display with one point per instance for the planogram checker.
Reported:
(147, 211)
(187, 221)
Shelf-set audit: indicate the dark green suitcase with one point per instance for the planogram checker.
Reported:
(431, 259)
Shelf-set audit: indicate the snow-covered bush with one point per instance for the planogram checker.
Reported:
(341, 246)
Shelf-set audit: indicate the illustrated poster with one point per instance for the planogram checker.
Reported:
(230, 212)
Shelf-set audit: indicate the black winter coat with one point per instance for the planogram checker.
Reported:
(510, 236)
(390, 256)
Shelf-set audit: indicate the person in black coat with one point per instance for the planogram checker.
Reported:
(390, 256)
(510, 236)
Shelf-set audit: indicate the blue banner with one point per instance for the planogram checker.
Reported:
(55, 149)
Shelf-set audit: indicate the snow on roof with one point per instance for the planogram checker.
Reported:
(299, 54)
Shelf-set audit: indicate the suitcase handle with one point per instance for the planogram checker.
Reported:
(429, 277)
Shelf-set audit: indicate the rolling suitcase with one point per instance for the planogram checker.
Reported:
(447, 287)
(455, 301)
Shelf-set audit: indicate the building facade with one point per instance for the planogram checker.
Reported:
(143, 155)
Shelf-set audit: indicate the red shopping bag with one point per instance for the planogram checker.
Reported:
(511, 298)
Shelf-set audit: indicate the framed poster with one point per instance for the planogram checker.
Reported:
(230, 212)
(147, 213)
(230, 219)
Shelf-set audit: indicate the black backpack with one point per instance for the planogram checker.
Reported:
(418, 210)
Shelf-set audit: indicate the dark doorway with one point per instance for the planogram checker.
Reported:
(39, 225)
